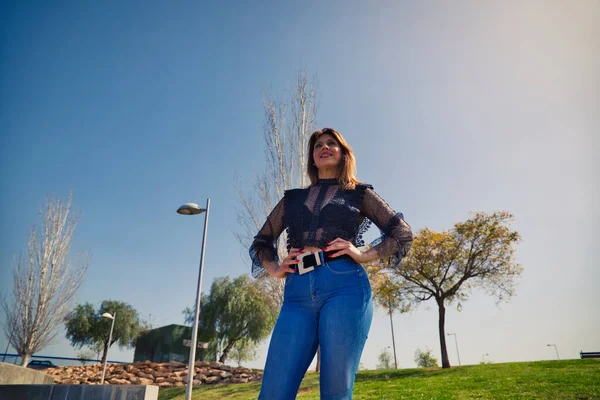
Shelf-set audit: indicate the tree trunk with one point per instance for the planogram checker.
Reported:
(104, 352)
(442, 322)
(225, 353)
(25, 359)
(318, 368)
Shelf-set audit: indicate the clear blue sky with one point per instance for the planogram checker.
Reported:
(451, 107)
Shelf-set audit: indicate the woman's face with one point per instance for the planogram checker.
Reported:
(327, 152)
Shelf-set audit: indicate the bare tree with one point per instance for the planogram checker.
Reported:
(45, 283)
(287, 128)
(285, 155)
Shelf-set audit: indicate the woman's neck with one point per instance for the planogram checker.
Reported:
(328, 173)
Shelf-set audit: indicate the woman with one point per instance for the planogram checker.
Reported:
(327, 298)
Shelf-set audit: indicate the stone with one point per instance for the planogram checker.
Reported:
(177, 364)
(212, 379)
(145, 381)
(201, 377)
(196, 382)
(225, 374)
(135, 381)
(146, 373)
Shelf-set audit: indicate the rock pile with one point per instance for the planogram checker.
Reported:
(169, 374)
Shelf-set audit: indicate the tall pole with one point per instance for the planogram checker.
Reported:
(393, 340)
(555, 349)
(456, 343)
(109, 340)
(188, 390)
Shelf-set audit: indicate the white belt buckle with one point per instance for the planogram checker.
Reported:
(303, 270)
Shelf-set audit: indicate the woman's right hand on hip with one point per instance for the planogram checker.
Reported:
(281, 270)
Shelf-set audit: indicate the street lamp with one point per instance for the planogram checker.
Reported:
(456, 343)
(193, 209)
(483, 357)
(393, 339)
(107, 315)
(550, 345)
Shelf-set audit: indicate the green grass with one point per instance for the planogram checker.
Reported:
(551, 380)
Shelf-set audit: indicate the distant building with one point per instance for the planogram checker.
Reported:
(167, 343)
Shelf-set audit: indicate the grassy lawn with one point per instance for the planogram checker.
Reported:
(551, 380)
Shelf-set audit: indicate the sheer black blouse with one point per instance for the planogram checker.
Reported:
(323, 212)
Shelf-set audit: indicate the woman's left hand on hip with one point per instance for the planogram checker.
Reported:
(345, 248)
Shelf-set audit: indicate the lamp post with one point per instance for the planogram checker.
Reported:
(107, 315)
(550, 345)
(483, 357)
(456, 343)
(193, 209)
(393, 339)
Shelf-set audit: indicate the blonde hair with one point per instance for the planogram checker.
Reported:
(347, 167)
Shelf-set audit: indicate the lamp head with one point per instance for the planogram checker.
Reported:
(190, 209)
(107, 315)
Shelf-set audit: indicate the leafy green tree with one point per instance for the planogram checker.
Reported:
(85, 355)
(97, 349)
(235, 310)
(385, 360)
(447, 266)
(425, 359)
(388, 295)
(243, 350)
(85, 325)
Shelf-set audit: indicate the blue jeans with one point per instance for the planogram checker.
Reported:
(332, 307)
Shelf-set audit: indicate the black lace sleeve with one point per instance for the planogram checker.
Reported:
(396, 235)
(264, 246)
